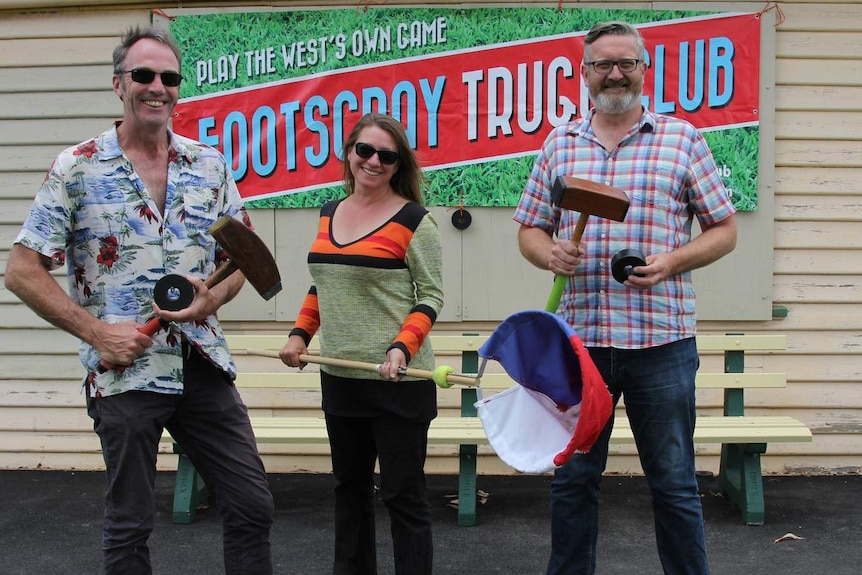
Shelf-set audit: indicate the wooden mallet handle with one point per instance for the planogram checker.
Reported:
(585, 197)
(434, 376)
(153, 326)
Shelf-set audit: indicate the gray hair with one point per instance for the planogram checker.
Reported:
(136, 34)
(613, 28)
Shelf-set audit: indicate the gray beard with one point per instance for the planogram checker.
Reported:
(616, 104)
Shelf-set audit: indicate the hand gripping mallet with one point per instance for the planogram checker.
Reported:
(588, 198)
(246, 252)
(442, 375)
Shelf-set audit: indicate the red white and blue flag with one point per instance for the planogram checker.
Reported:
(561, 404)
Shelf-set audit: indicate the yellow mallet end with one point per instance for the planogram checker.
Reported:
(440, 374)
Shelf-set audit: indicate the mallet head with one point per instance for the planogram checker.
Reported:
(249, 254)
(591, 198)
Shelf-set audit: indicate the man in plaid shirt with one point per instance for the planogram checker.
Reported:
(640, 333)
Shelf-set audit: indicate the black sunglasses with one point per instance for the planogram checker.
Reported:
(365, 151)
(146, 76)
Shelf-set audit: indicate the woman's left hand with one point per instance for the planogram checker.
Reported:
(390, 370)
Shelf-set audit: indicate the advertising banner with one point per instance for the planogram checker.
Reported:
(477, 90)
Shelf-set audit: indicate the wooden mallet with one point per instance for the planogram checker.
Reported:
(442, 375)
(590, 199)
(246, 252)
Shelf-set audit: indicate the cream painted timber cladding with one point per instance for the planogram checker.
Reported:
(54, 91)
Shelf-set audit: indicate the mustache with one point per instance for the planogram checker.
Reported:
(616, 84)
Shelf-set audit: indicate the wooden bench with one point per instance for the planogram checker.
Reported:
(743, 437)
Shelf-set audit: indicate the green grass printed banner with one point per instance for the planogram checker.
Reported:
(477, 89)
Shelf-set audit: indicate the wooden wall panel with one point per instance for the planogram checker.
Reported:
(248, 304)
(823, 153)
(52, 79)
(55, 91)
(15, 210)
(804, 316)
(20, 186)
(817, 179)
(817, 234)
(17, 316)
(811, 16)
(810, 72)
(25, 107)
(57, 51)
(818, 98)
(28, 340)
(819, 207)
(47, 395)
(822, 44)
(70, 23)
(29, 158)
(838, 125)
(496, 280)
(50, 131)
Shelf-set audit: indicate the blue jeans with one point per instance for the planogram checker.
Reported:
(658, 386)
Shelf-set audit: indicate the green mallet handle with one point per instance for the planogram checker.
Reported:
(560, 281)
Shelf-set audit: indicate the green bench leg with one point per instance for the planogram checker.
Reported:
(740, 477)
(467, 490)
(467, 486)
(189, 489)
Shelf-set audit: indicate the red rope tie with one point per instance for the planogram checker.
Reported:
(779, 13)
(163, 14)
(364, 4)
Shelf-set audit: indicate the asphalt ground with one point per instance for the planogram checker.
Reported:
(50, 524)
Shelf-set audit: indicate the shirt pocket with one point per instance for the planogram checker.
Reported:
(200, 208)
(653, 188)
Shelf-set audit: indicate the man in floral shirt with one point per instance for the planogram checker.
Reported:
(120, 211)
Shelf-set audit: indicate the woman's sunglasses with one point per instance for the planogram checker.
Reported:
(145, 76)
(365, 151)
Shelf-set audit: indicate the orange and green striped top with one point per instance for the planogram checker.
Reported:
(381, 291)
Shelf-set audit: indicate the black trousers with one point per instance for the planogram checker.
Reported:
(210, 422)
(400, 445)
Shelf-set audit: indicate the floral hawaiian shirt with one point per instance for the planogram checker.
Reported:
(94, 214)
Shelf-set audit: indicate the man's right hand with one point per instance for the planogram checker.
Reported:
(120, 344)
(565, 257)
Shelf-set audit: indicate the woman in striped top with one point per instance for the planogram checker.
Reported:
(377, 271)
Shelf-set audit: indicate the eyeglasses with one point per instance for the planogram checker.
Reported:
(146, 76)
(365, 151)
(626, 65)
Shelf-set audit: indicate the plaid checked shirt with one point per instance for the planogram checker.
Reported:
(665, 167)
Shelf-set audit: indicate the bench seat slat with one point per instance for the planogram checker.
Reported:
(497, 381)
(748, 342)
(469, 431)
(446, 344)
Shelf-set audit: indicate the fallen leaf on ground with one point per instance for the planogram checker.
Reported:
(481, 499)
(787, 537)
